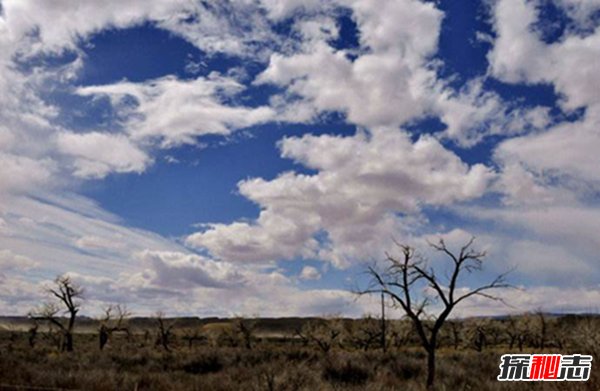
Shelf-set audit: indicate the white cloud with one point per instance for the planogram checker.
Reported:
(366, 189)
(391, 79)
(21, 173)
(362, 181)
(383, 86)
(235, 28)
(179, 270)
(98, 154)
(569, 149)
(519, 55)
(472, 114)
(176, 112)
(310, 273)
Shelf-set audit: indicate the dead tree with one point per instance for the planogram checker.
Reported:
(113, 320)
(323, 333)
(401, 333)
(245, 329)
(165, 329)
(367, 333)
(518, 331)
(456, 331)
(406, 278)
(68, 295)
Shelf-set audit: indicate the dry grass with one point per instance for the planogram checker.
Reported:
(136, 364)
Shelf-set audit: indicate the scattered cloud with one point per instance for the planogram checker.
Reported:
(535, 193)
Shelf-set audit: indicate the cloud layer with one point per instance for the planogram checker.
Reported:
(531, 195)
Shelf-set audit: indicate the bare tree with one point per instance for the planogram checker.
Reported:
(324, 333)
(367, 333)
(68, 295)
(114, 319)
(477, 334)
(456, 329)
(518, 331)
(406, 278)
(165, 329)
(401, 332)
(245, 329)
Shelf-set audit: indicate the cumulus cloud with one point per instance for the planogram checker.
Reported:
(564, 155)
(383, 86)
(520, 55)
(391, 80)
(362, 182)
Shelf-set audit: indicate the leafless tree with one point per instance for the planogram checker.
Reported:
(245, 329)
(324, 333)
(518, 331)
(67, 300)
(586, 335)
(367, 333)
(165, 328)
(406, 278)
(113, 320)
(401, 332)
(456, 330)
(477, 335)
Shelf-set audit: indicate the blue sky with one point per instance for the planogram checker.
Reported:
(254, 157)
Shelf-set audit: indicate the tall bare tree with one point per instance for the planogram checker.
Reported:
(165, 330)
(406, 278)
(66, 297)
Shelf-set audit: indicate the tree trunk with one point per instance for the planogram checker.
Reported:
(103, 337)
(68, 342)
(383, 344)
(430, 367)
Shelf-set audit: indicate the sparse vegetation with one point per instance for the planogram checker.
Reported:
(280, 360)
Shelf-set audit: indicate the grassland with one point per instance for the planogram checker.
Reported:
(286, 354)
